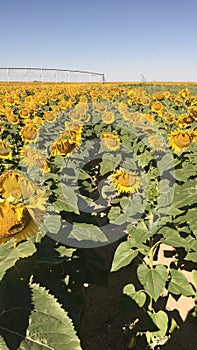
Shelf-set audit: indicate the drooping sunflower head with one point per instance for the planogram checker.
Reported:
(11, 186)
(112, 142)
(1, 129)
(16, 222)
(23, 206)
(69, 141)
(184, 93)
(5, 150)
(29, 133)
(124, 181)
(193, 112)
(33, 157)
(156, 143)
(159, 95)
(168, 117)
(13, 119)
(185, 120)
(180, 139)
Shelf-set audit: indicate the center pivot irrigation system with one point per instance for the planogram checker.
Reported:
(49, 75)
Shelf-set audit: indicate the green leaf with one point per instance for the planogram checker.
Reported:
(167, 162)
(139, 297)
(9, 254)
(52, 224)
(190, 218)
(179, 284)
(123, 256)
(153, 280)
(70, 195)
(185, 194)
(160, 319)
(106, 166)
(87, 232)
(116, 217)
(3, 345)
(64, 251)
(107, 190)
(172, 237)
(49, 325)
(67, 199)
(26, 249)
(194, 277)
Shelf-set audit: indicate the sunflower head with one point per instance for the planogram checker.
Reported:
(184, 120)
(108, 117)
(156, 144)
(15, 222)
(180, 139)
(65, 145)
(23, 206)
(157, 107)
(1, 129)
(5, 150)
(112, 142)
(124, 181)
(33, 157)
(159, 95)
(29, 133)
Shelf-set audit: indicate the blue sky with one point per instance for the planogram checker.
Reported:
(123, 39)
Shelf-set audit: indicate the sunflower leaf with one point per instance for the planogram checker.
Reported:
(9, 254)
(49, 325)
(123, 256)
(179, 284)
(3, 345)
(153, 280)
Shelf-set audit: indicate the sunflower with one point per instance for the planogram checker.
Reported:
(132, 93)
(11, 185)
(42, 100)
(193, 111)
(159, 95)
(64, 146)
(184, 93)
(63, 104)
(157, 107)
(98, 107)
(5, 150)
(112, 142)
(24, 113)
(22, 206)
(85, 118)
(29, 133)
(108, 117)
(32, 157)
(1, 129)
(180, 139)
(184, 120)
(16, 222)
(125, 181)
(69, 141)
(50, 116)
(156, 144)
(168, 117)
(13, 119)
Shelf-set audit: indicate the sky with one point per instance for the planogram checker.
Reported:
(127, 40)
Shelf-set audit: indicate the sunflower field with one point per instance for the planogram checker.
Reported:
(83, 166)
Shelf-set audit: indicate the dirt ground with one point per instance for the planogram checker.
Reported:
(102, 326)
